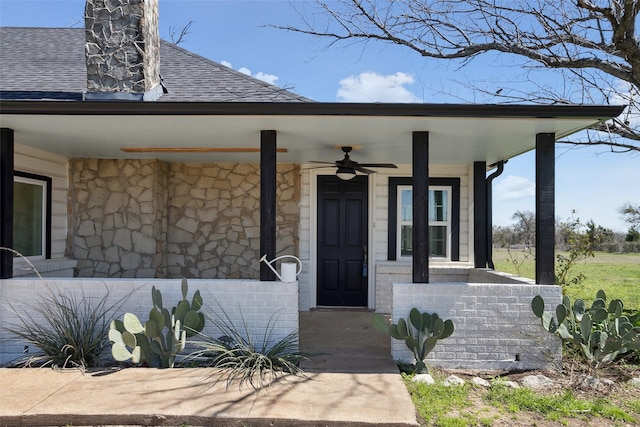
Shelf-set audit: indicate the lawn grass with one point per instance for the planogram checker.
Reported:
(555, 407)
(468, 406)
(439, 405)
(617, 274)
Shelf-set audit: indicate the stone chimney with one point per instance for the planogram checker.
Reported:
(122, 50)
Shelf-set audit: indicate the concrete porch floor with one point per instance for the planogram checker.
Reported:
(350, 380)
(342, 340)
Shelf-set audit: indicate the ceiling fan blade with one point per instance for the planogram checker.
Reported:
(324, 163)
(359, 168)
(378, 165)
(318, 167)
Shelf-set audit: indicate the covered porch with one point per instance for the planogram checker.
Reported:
(150, 232)
(426, 141)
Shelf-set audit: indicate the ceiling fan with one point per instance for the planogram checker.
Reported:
(347, 168)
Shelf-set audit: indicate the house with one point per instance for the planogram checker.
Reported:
(128, 161)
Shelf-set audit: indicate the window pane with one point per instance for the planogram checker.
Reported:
(406, 240)
(406, 205)
(438, 241)
(438, 205)
(27, 218)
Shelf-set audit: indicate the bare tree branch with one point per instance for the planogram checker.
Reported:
(591, 44)
(178, 36)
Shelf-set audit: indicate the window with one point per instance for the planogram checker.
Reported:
(439, 221)
(444, 218)
(31, 213)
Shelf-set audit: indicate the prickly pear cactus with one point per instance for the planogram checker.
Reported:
(149, 343)
(420, 332)
(601, 333)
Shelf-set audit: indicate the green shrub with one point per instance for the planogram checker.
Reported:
(150, 344)
(600, 333)
(420, 333)
(244, 359)
(69, 331)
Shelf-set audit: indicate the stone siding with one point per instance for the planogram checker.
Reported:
(122, 45)
(147, 218)
(214, 212)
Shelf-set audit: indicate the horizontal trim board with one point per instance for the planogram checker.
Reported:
(197, 150)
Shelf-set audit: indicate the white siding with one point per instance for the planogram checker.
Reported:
(305, 251)
(379, 215)
(40, 162)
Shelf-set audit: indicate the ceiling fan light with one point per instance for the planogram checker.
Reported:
(345, 174)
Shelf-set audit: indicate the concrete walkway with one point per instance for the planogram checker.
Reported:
(350, 380)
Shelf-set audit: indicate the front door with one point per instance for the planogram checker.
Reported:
(342, 241)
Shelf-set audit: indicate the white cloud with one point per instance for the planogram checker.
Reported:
(373, 87)
(514, 188)
(269, 78)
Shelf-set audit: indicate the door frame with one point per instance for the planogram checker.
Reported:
(313, 238)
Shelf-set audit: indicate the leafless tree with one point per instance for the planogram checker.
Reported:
(591, 45)
(178, 35)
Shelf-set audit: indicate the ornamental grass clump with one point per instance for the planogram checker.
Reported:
(68, 330)
(242, 358)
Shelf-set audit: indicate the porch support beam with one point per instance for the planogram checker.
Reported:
(6, 202)
(420, 207)
(267, 201)
(480, 214)
(545, 208)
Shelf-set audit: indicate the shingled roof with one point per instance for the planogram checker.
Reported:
(49, 63)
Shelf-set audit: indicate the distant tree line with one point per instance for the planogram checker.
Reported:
(572, 233)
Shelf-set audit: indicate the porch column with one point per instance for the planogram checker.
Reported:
(480, 214)
(545, 208)
(420, 207)
(267, 201)
(6, 202)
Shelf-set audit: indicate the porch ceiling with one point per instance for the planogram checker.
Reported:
(458, 134)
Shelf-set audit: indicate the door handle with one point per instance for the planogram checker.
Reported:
(365, 266)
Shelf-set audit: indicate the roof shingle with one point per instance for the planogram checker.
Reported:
(49, 63)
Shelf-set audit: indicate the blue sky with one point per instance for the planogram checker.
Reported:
(591, 182)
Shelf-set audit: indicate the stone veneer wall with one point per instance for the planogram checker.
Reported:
(118, 217)
(214, 231)
(146, 218)
(122, 45)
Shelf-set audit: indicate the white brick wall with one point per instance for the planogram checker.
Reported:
(257, 302)
(493, 322)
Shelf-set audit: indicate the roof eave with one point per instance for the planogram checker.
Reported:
(599, 112)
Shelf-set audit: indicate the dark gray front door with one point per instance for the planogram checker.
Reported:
(342, 241)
